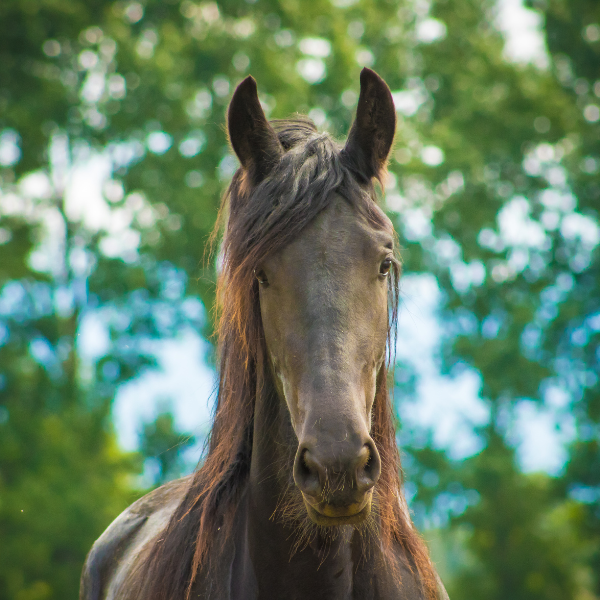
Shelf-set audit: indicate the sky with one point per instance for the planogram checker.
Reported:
(184, 384)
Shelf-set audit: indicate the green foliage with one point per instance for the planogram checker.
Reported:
(62, 478)
(162, 445)
(511, 534)
(143, 88)
(519, 532)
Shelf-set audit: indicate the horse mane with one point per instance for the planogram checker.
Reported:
(260, 221)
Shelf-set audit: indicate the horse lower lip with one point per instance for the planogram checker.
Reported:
(329, 511)
(341, 511)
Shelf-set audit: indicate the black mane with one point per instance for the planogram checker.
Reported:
(300, 186)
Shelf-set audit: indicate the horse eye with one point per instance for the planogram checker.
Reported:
(385, 266)
(260, 275)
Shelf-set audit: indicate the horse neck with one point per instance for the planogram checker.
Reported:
(269, 560)
(272, 542)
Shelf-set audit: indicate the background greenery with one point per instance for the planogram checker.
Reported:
(143, 87)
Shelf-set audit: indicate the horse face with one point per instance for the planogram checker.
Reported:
(324, 307)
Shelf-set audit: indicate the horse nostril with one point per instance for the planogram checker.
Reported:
(307, 473)
(369, 462)
(369, 467)
(303, 467)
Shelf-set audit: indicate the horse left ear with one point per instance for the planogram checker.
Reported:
(372, 134)
(254, 141)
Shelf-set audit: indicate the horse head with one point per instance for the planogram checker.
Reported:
(324, 294)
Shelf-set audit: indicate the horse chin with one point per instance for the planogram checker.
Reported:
(328, 515)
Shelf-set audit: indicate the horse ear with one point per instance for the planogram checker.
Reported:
(372, 134)
(253, 140)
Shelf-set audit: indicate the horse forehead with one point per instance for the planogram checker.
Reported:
(340, 233)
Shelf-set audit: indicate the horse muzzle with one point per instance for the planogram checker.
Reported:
(337, 488)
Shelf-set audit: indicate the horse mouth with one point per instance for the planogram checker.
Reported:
(329, 515)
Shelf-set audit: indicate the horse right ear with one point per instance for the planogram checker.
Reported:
(372, 134)
(253, 140)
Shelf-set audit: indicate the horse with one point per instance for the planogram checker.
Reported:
(299, 494)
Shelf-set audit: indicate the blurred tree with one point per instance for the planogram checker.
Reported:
(512, 534)
(162, 446)
(62, 479)
(514, 245)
